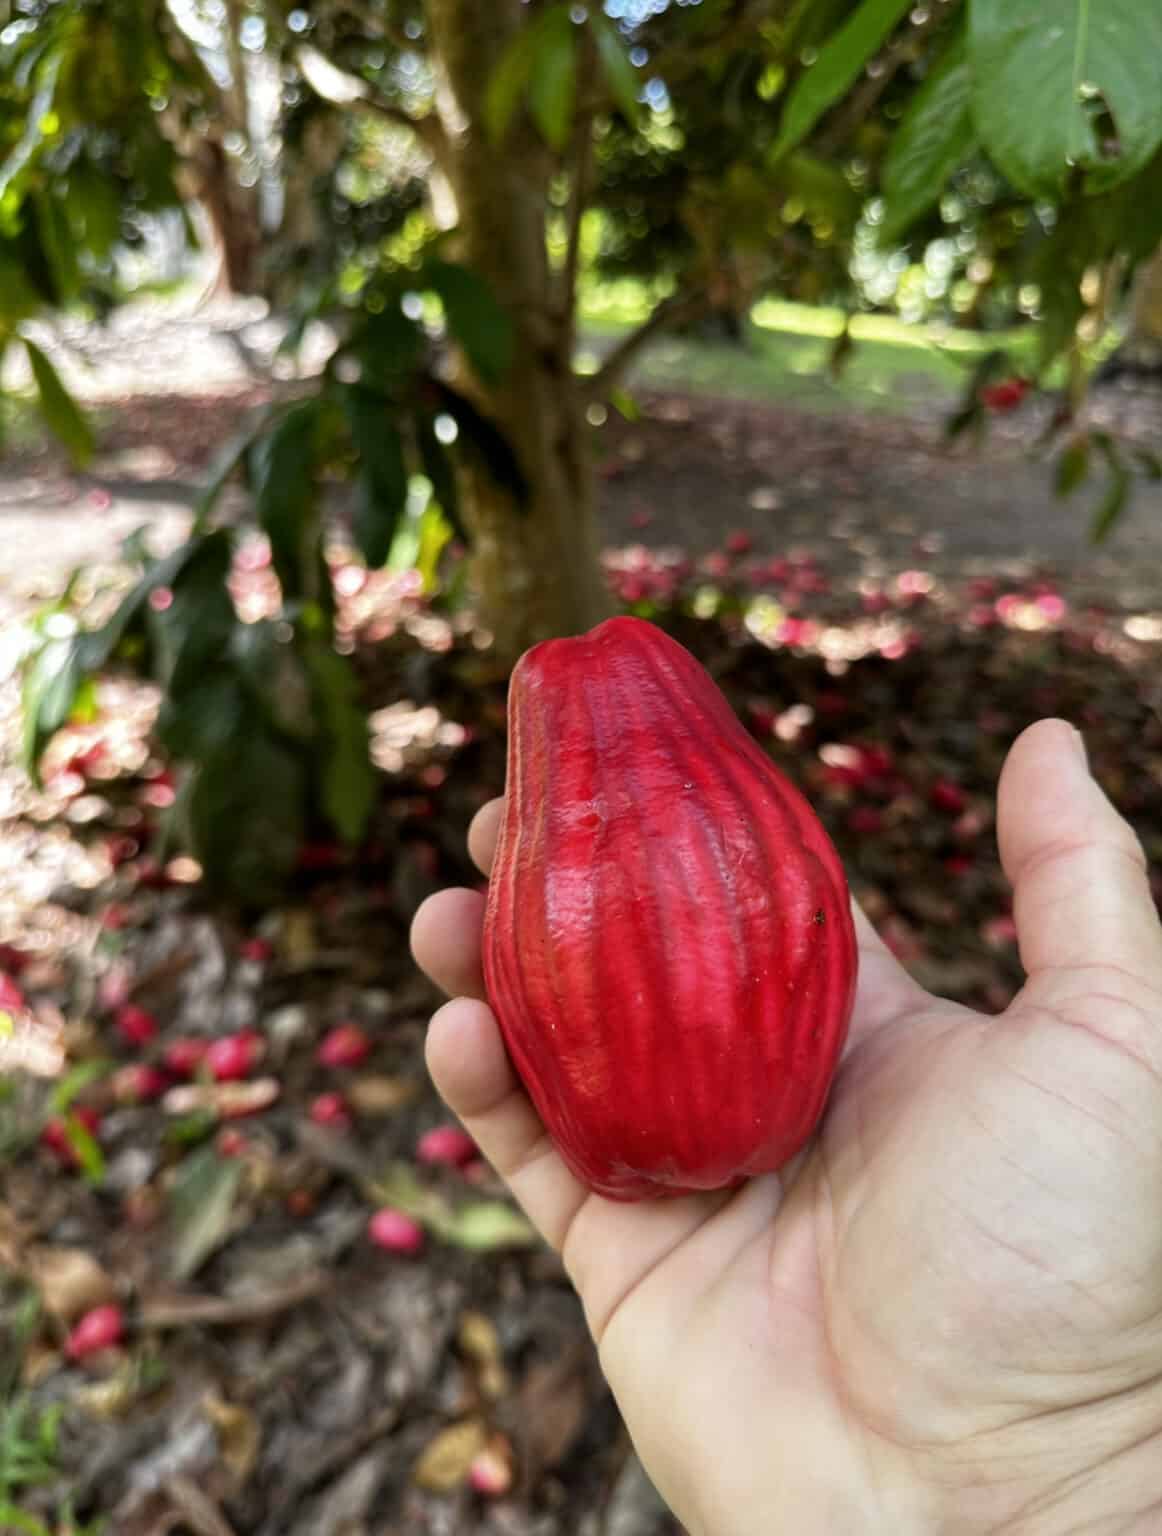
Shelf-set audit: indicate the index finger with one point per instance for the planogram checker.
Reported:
(483, 833)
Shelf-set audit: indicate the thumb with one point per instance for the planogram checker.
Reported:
(1081, 895)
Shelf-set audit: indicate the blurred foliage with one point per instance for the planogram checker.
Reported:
(985, 160)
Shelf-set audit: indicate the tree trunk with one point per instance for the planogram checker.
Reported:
(1142, 348)
(537, 567)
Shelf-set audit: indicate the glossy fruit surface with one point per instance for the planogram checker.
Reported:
(668, 941)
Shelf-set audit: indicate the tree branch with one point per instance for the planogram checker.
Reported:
(342, 89)
(579, 191)
(681, 307)
(886, 65)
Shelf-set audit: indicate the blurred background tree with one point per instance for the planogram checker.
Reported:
(444, 181)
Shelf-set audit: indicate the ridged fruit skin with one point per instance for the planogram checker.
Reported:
(668, 942)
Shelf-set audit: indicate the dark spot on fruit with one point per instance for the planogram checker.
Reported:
(820, 917)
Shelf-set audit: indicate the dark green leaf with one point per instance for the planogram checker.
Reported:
(482, 439)
(620, 75)
(52, 680)
(191, 634)
(348, 778)
(272, 673)
(508, 84)
(209, 714)
(64, 418)
(1113, 503)
(553, 81)
(1042, 70)
(1072, 467)
(839, 65)
(388, 346)
(283, 470)
(382, 490)
(21, 158)
(934, 137)
(440, 471)
(247, 813)
(230, 458)
(476, 319)
(202, 1202)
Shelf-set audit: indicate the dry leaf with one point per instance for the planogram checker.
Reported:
(446, 1460)
(551, 1409)
(480, 1341)
(381, 1095)
(297, 940)
(229, 1101)
(239, 1435)
(70, 1281)
(111, 1399)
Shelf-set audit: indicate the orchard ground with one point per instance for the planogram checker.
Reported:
(884, 612)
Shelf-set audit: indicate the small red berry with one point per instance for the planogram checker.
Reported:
(234, 1056)
(330, 1109)
(865, 821)
(1005, 395)
(739, 542)
(394, 1232)
(446, 1146)
(136, 1026)
(11, 997)
(102, 1328)
(230, 1143)
(258, 951)
(344, 1046)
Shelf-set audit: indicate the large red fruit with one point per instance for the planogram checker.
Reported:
(668, 942)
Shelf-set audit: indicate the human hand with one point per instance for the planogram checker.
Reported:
(945, 1316)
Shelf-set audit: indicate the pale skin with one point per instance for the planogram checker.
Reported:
(945, 1318)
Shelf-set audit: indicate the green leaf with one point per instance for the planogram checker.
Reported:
(349, 781)
(440, 471)
(625, 405)
(620, 74)
(934, 137)
(1113, 503)
(283, 468)
(246, 813)
(191, 635)
(383, 476)
(388, 346)
(476, 318)
(482, 439)
(1042, 70)
(553, 81)
(202, 1201)
(230, 458)
(65, 419)
(508, 83)
(488, 1225)
(840, 62)
(53, 677)
(40, 110)
(84, 1147)
(1072, 467)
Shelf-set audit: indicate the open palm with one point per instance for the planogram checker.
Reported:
(946, 1314)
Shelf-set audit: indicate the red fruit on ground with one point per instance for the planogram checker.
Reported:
(138, 1083)
(184, 1057)
(11, 997)
(739, 542)
(490, 1474)
(259, 951)
(344, 1046)
(394, 1232)
(102, 1328)
(136, 1026)
(946, 795)
(447, 1146)
(230, 1143)
(1005, 395)
(55, 1136)
(331, 1110)
(234, 1056)
(865, 821)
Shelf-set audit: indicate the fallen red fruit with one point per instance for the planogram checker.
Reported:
(11, 997)
(234, 1056)
(331, 1110)
(1005, 395)
(739, 542)
(102, 1328)
(55, 1137)
(394, 1232)
(446, 1146)
(136, 1026)
(183, 1057)
(258, 951)
(344, 1046)
(945, 795)
(668, 942)
(138, 1083)
(230, 1143)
